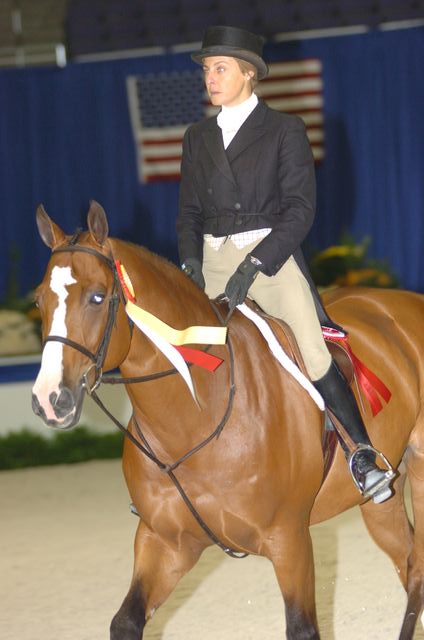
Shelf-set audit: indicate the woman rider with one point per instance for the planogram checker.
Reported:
(247, 202)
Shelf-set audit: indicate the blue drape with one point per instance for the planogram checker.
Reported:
(65, 138)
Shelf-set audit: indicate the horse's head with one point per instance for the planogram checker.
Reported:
(84, 326)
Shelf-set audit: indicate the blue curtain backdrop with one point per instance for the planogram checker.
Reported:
(65, 138)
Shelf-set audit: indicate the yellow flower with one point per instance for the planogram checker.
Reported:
(361, 276)
(341, 251)
(384, 280)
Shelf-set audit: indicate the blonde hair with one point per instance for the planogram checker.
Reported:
(248, 67)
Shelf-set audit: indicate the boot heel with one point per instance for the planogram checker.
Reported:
(375, 481)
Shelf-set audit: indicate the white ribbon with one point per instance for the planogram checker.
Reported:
(281, 356)
(167, 349)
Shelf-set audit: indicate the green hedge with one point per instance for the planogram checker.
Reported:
(28, 449)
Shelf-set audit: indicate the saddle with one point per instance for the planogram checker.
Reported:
(285, 337)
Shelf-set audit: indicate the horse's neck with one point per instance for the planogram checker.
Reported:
(164, 292)
(162, 289)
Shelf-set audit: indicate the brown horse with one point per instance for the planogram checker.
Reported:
(258, 486)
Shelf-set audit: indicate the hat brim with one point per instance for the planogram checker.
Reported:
(232, 52)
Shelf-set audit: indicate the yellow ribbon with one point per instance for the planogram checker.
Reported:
(190, 335)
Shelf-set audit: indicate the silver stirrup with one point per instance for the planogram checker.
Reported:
(378, 491)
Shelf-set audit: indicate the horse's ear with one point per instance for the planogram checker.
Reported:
(50, 233)
(97, 222)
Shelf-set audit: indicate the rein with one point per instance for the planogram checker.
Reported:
(98, 359)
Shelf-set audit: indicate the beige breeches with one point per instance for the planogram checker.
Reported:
(286, 295)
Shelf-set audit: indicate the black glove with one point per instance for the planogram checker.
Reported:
(241, 281)
(193, 269)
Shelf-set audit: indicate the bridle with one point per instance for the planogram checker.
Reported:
(98, 359)
(99, 356)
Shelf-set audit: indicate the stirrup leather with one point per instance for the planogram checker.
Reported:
(389, 473)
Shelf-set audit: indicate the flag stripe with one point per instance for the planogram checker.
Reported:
(296, 104)
(161, 151)
(171, 167)
(301, 86)
(159, 141)
(168, 157)
(163, 133)
(308, 65)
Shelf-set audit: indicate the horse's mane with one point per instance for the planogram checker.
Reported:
(145, 253)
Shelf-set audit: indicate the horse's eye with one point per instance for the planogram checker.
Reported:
(97, 298)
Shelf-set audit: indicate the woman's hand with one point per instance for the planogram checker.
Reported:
(241, 281)
(193, 269)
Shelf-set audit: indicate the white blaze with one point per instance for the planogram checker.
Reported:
(50, 374)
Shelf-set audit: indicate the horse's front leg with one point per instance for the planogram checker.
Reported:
(291, 554)
(157, 569)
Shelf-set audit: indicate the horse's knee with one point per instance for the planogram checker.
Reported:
(128, 623)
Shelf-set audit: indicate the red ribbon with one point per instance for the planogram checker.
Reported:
(371, 384)
(201, 358)
(127, 292)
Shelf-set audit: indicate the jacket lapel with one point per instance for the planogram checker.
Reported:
(252, 129)
(215, 146)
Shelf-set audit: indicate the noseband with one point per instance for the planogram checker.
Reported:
(99, 356)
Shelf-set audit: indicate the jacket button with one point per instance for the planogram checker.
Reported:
(213, 209)
(209, 191)
(237, 206)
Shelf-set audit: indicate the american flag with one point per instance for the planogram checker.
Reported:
(163, 105)
(296, 87)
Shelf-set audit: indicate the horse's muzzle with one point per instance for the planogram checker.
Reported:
(65, 406)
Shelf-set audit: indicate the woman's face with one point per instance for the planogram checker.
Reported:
(226, 83)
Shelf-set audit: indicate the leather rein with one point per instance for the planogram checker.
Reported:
(98, 358)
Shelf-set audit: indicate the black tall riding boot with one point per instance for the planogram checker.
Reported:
(339, 398)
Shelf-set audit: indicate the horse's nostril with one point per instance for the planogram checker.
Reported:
(62, 403)
(36, 405)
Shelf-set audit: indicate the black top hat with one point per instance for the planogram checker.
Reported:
(233, 42)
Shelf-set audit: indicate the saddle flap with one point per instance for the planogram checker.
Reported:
(342, 358)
